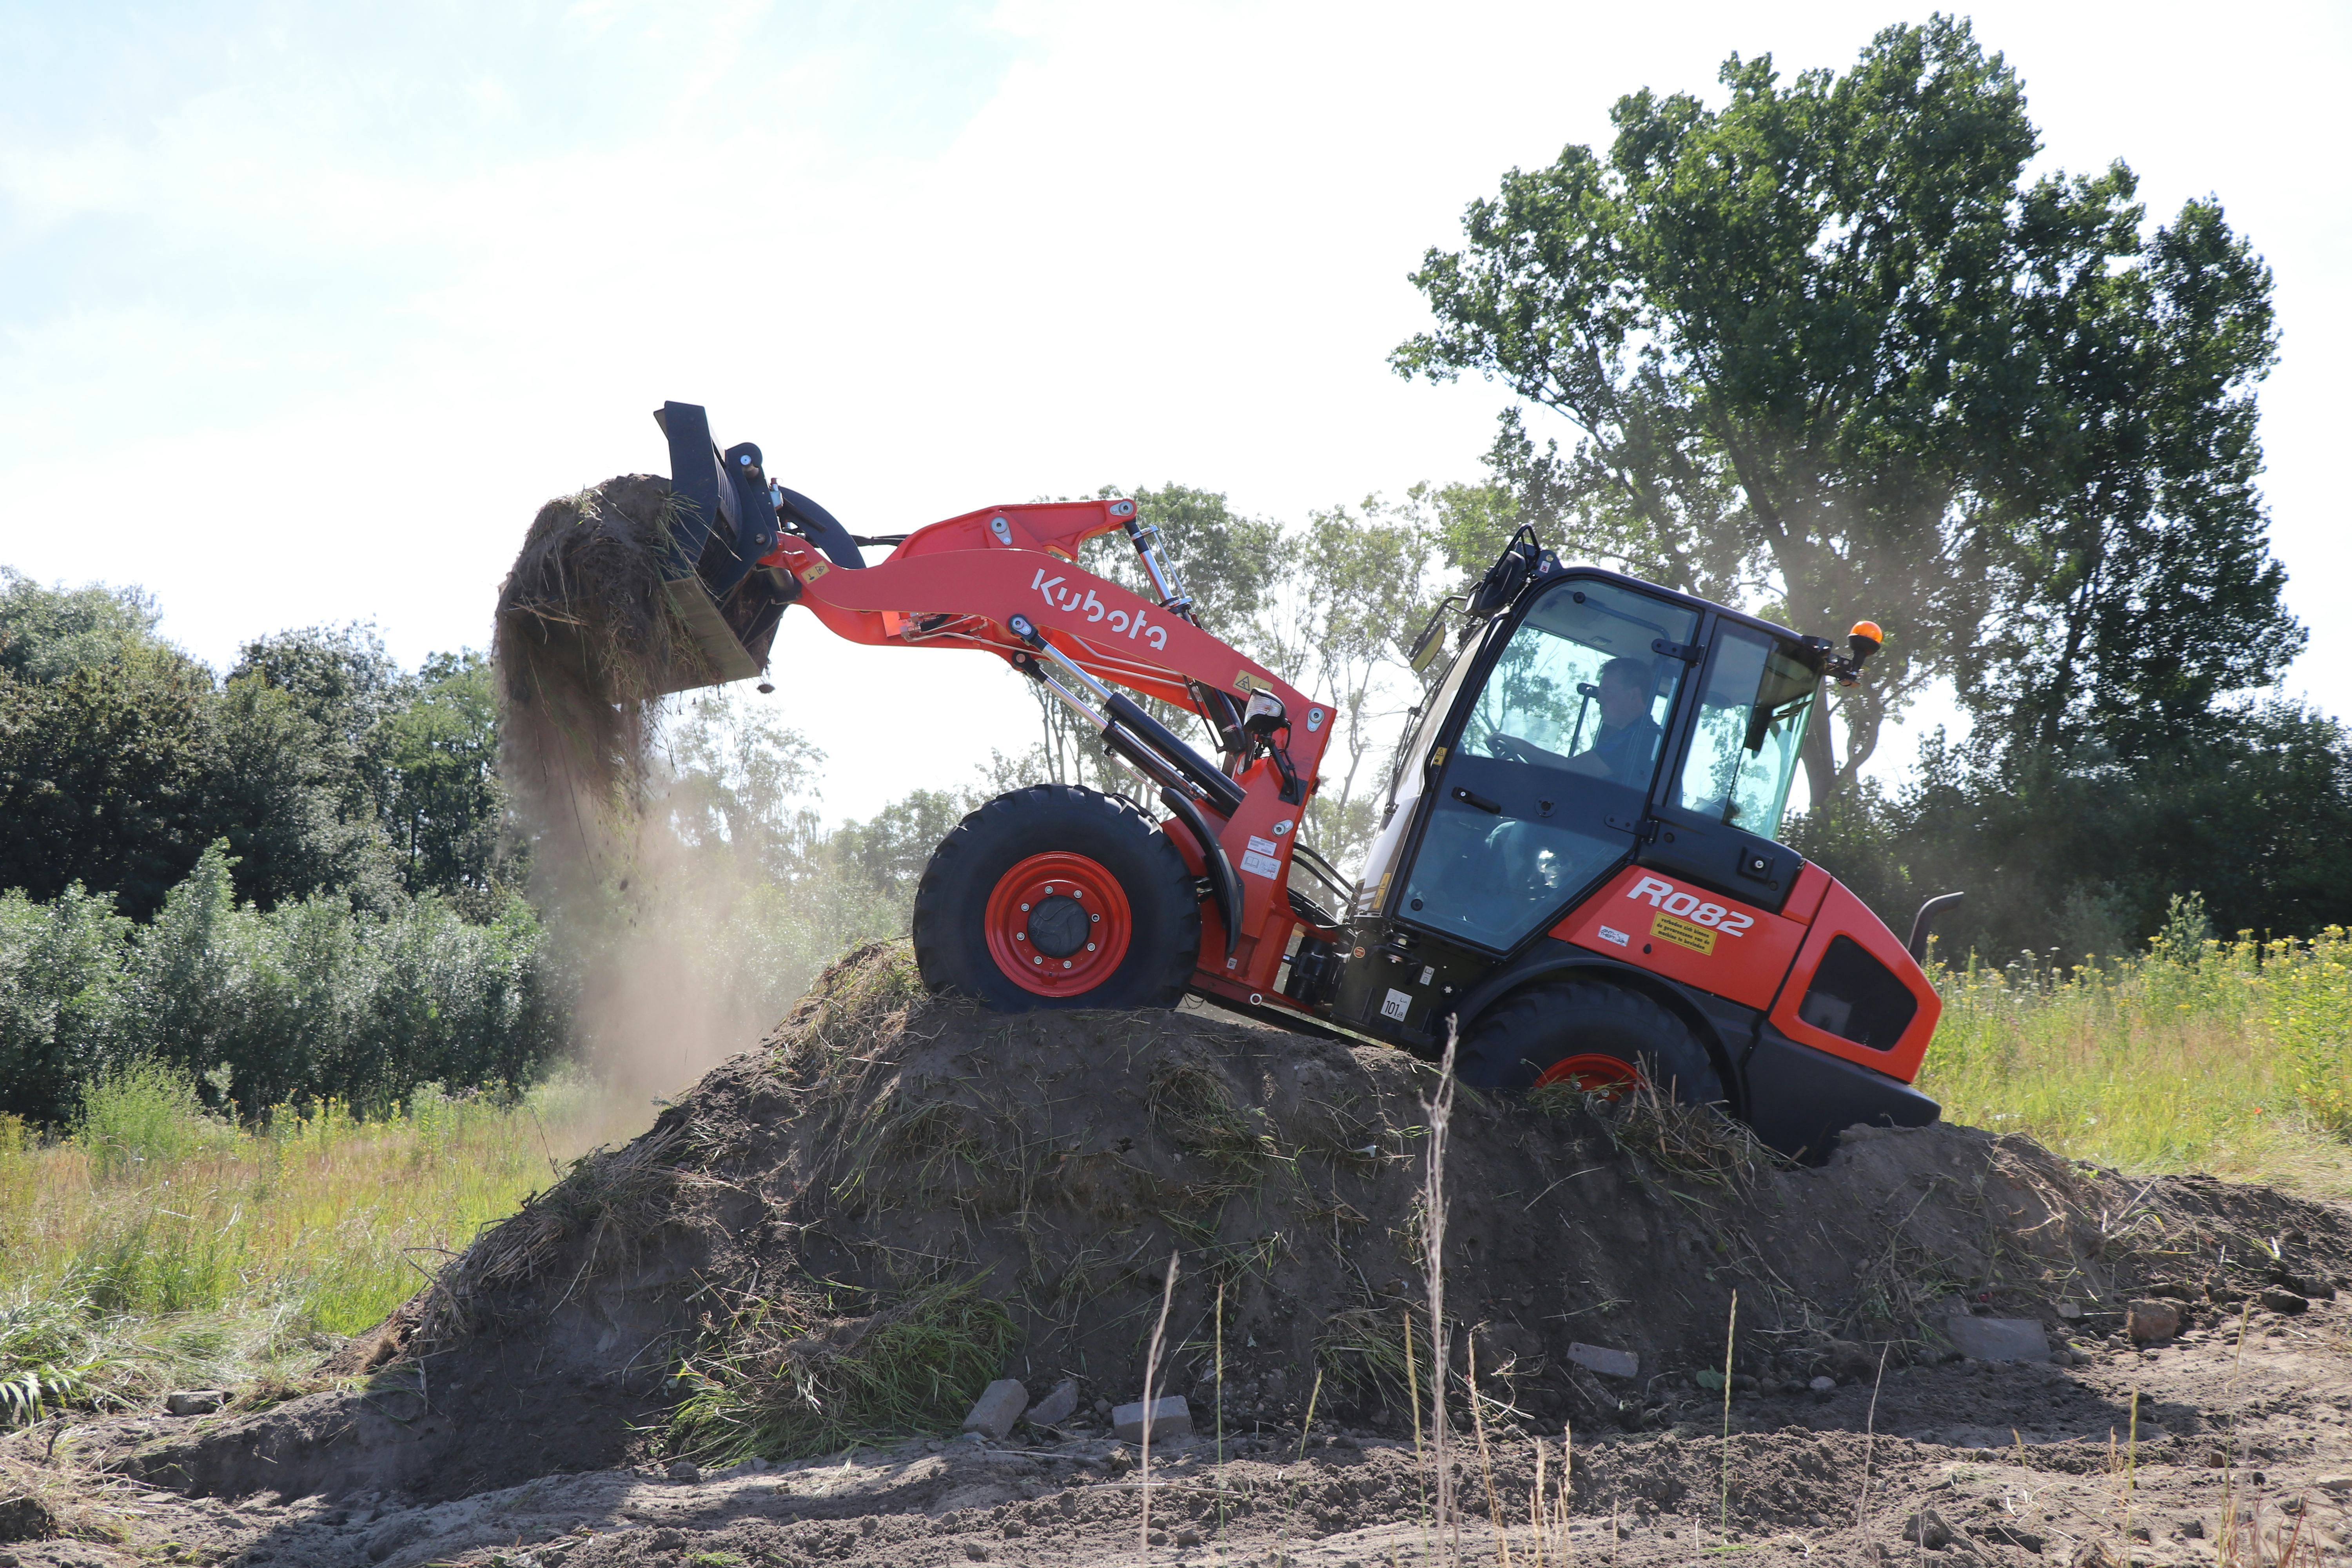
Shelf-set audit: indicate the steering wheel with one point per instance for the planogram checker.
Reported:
(1510, 748)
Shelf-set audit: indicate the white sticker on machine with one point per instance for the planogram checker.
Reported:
(1264, 845)
(1611, 933)
(1258, 865)
(1395, 1005)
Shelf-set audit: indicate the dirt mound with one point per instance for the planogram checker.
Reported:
(838, 1236)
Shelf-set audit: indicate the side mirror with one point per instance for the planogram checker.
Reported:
(1432, 641)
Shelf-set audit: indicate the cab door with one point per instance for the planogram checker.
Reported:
(1720, 805)
(1541, 785)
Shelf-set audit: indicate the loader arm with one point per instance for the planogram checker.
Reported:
(970, 581)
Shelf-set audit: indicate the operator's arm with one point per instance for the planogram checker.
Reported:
(1513, 748)
(1592, 762)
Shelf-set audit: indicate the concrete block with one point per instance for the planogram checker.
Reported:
(1998, 1338)
(1000, 1405)
(1606, 1361)
(1057, 1406)
(1171, 1417)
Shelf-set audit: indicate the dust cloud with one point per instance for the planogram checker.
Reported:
(585, 642)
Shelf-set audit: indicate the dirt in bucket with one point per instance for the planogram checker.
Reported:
(583, 641)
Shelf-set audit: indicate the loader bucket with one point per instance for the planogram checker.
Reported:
(719, 523)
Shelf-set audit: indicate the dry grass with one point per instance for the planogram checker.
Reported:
(797, 1375)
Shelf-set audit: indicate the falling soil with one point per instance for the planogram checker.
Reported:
(886, 1148)
(584, 638)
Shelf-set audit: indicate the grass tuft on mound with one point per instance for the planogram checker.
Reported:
(790, 1377)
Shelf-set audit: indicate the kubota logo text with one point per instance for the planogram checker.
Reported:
(1688, 906)
(1069, 601)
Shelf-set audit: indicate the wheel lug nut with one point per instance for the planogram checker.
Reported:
(1025, 909)
(1090, 947)
(1065, 963)
(1036, 961)
(1097, 919)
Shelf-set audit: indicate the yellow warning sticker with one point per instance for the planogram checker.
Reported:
(815, 571)
(1682, 932)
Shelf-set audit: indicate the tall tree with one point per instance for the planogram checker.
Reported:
(2139, 590)
(1818, 345)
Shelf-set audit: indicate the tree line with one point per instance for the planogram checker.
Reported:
(297, 881)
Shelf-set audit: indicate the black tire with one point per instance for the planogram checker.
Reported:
(951, 903)
(1515, 1043)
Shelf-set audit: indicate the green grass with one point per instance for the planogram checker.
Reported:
(157, 1248)
(2233, 1058)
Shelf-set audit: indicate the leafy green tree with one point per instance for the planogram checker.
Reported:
(888, 850)
(341, 676)
(46, 634)
(103, 778)
(435, 752)
(1823, 349)
(1359, 585)
(2140, 590)
(2085, 854)
(278, 790)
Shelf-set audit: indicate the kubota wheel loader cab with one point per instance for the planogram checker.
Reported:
(1577, 865)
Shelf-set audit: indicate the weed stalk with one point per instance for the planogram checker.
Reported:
(1150, 1369)
(1730, 1334)
(1439, 1110)
(1869, 1440)
(1290, 1503)
(1485, 1462)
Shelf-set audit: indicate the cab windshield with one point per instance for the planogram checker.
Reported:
(1745, 747)
(1543, 789)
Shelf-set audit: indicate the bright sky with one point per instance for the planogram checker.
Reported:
(307, 308)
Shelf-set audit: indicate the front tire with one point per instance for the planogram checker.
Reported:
(1589, 1034)
(1054, 897)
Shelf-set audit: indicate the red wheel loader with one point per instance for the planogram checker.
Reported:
(1575, 867)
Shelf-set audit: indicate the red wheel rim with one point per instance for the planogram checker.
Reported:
(1031, 913)
(1592, 1073)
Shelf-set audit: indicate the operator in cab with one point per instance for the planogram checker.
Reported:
(1625, 744)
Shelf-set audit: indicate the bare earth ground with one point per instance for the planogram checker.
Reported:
(884, 1140)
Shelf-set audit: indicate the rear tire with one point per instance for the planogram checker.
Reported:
(1057, 896)
(1592, 1034)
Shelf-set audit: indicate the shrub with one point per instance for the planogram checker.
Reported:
(145, 1111)
(63, 972)
(314, 1000)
